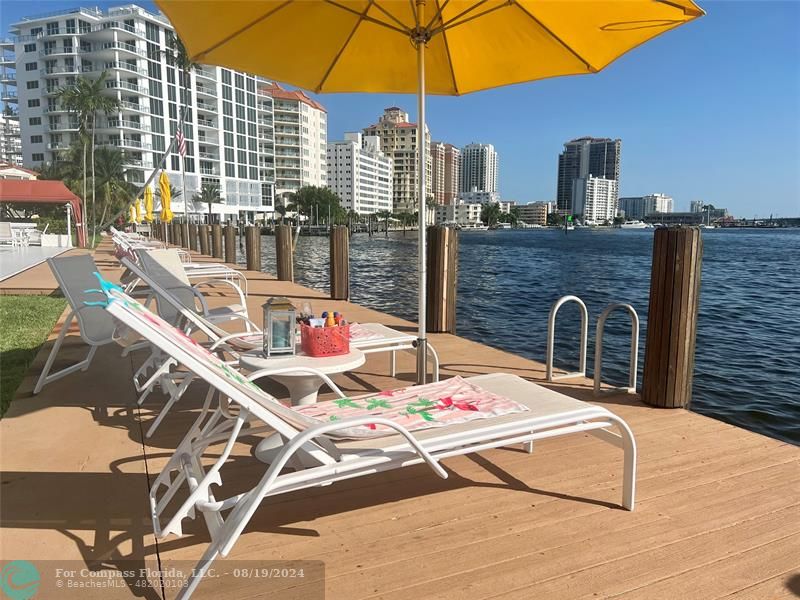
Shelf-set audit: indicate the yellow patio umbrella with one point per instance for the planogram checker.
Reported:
(447, 47)
(138, 207)
(148, 204)
(166, 197)
(132, 213)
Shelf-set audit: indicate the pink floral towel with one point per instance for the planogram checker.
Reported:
(437, 404)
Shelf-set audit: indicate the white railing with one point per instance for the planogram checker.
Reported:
(551, 331)
(633, 365)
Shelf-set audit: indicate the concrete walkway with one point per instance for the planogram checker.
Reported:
(718, 510)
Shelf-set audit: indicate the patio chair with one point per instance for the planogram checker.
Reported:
(74, 275)
(323, 452)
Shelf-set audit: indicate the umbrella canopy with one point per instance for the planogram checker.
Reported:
(132, 214)
(138, 206)
(148, 204)
(166, 197)
(422, 46)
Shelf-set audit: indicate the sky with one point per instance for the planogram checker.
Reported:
(709, 111)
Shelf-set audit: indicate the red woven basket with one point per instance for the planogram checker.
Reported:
(325, 341)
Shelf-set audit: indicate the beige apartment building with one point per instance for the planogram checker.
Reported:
(446, 168)
(399, 142)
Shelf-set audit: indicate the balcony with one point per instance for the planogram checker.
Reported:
(206, 90)
(206, 106)
(137, 162)
(57, 51)
(209, 169)
(207, 139)
(8, 96)
(63, 127)
(124, 85)
(127, 143)
(205, 74)
(126, 124)
(58, 146)
(111, 47)
(55, 109)
(202, 122)
(60, 70)
(208, 155)
(108, 28)
(124, 66)
(133, 106)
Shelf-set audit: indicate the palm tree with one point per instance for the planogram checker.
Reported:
(209, 194)
(490, 213)
(86, 98)
(110, 179)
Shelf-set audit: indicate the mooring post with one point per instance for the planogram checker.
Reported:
(442, 279)
(252, 248)
(216, 241)
(203, 232)
(283, 252)
(230, 244)
(340, 263)
(192, 236)
(672, 317)
(184, 235)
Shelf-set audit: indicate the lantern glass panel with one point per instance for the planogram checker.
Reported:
(279, 327)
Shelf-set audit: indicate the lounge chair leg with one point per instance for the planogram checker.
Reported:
(89, 358)
(199, 572)
(392, 363)
(629, 464)
(52, 356)
(528, 447)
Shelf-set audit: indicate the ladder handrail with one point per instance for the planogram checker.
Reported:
(551, 331)
(598, 350)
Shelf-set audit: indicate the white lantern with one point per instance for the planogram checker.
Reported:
(280, 324)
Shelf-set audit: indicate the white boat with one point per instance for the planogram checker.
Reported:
(474, 227)
(635, 225)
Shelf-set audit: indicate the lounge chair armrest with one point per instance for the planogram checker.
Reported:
(325, 428)
(235, 287)
(291, 370)
(232, 336)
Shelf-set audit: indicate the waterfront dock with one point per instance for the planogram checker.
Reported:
(717, 513)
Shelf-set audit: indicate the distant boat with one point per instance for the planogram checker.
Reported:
(474, 227)
(708, 226)
(635, 225)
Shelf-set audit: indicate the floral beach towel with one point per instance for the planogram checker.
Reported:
(437, 404)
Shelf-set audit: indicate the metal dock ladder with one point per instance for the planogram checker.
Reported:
(598, 352)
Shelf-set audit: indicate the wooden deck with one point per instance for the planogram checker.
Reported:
(717, 513)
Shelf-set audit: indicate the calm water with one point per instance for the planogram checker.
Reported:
(747, 368)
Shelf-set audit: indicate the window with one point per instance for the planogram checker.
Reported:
(32, 85)
(30, 47)
(37, 157)
(226, 76)
(70, 25)
(35, 121)
(52, 28)
(36, 31)
(230, 170)
(31, 66)
(36, 139)
(33, 103)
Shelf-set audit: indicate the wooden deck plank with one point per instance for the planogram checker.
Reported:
(712, 498)
(785, 585)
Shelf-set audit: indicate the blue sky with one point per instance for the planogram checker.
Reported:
(709, 111)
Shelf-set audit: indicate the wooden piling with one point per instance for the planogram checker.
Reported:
(442, 279)
(216, 241)
(252, 247)
(192, 236)
(203, 232)
(340, 263)
(672, 317)
(184, 235)
(283, 252)
(230, 244)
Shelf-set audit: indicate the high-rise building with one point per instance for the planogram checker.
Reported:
(638, 207)
(132, 47)
(360, 173)
(478, 196)
(479, 166)
(583, 158)
(301, 139)
(696, 206)
(445, 168)
(10, 140)
(399, 142)
(595, 199)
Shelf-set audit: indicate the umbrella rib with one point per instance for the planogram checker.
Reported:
(393, 18)
(227, 39)
(342, 49)
(447, 50)
(451, 24)
(466, 11)
(438, 15)
(555, 37)
(370, 19)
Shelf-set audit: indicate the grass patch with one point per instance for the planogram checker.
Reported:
(25, 323)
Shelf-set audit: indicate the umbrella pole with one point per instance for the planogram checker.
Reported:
(422, 342)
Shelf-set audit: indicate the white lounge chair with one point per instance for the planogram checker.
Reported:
(74, 275)
(320, 451)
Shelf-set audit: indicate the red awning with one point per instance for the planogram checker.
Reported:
(39, 191)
